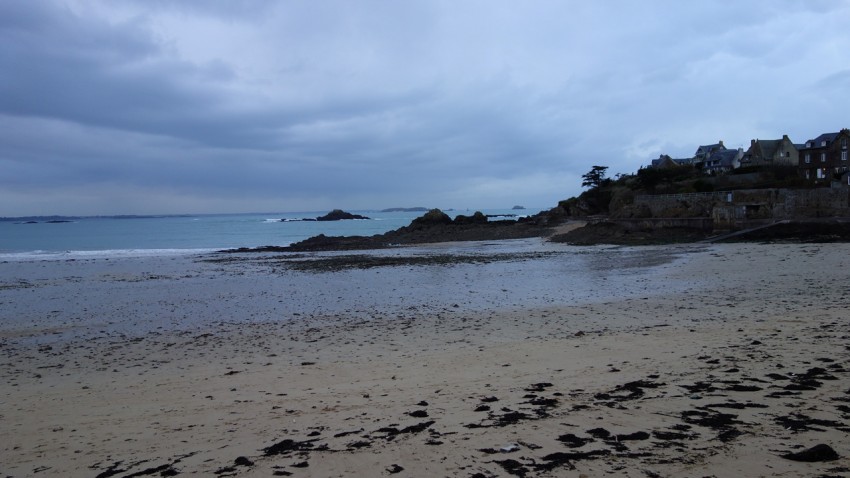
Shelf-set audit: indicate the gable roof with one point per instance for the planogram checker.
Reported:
(726, 157)
(768, 146)
(828, 137)
(710, 147)
(706, 149)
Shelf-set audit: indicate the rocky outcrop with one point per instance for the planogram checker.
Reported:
(339, 215)
(433, 226)
(434, 217)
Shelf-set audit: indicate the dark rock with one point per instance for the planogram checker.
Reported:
(432, 218)
(729, 434)
(395, 469)
(663, 435)
(628, 391)
(342, 434)
(797, 422)
(243, 461)
(561, 459)
(359, 444)
(339, 215)
(814, 454)
(513, 467)
(573, 441)
(544, 402)
(418, 413)
(477, 218)
(633, 436)
(287, 446)
(419, 427)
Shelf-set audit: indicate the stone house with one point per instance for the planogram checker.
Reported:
(722, 161)
(666, 162)
(771, 152)
(826, 157)
(704, 151)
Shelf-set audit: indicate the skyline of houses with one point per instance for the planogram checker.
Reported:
(820, 159)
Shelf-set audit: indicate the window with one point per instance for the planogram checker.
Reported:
(808, 175)
(808, 158)
(843, 143)
(844, 155)
(823, 143)
(821, 173)
(823, 157)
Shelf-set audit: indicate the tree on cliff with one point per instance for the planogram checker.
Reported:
(594, 178)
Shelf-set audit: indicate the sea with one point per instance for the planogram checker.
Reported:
(59, 237)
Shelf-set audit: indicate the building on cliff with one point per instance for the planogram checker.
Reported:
(666, 162)
(824, 158)
(771, 152)
(722, 161)
(705, 151)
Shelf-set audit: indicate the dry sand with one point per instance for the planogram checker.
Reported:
(695, 361)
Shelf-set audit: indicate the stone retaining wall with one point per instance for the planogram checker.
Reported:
(732, 208)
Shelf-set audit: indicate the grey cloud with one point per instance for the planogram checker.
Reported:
(391, 100)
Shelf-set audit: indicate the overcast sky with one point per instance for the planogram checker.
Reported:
(155, 106)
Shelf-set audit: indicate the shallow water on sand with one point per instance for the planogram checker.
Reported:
(51, 299)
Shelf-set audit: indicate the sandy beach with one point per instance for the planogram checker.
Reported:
(517, 358)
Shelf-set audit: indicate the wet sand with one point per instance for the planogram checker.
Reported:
(513, 359)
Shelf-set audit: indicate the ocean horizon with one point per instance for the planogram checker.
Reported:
(54, 237)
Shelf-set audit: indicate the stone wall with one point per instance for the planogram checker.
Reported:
(732, 209)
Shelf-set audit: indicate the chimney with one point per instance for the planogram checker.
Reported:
(752, 143)
(785, 137)
(721, 144)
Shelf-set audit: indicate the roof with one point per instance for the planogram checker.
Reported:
(725, 156)
(710, 147)
(768, 146)
(828, 137)
(665, 161)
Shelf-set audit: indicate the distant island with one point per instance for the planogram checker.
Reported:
(518, 208)
(335, 215)
(405, 209)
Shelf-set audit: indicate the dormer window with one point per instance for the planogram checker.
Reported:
(823, 143)
(809, 144)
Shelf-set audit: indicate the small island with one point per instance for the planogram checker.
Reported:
(339, 215)
(405, 209)
(335, 215)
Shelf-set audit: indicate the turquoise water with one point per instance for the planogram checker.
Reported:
(180, 234)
